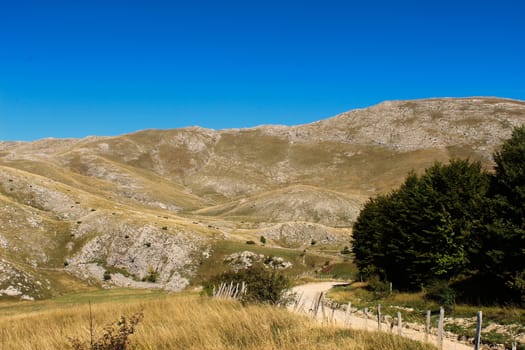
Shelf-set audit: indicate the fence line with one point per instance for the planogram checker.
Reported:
(317, 310)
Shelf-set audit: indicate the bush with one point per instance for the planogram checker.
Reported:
(152, 275)
(107, 275)
(263, 285)
(250, 242)
(263, 240)
(440, 292)
(376, 285)
(115, 337)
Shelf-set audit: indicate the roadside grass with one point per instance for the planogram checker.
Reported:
(340, 270)
(179, 321)
(501, 324)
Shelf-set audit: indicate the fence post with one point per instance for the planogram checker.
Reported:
(379, 317)
(440, 327)
(347, 314)
(477, 340)
(366, 318)
(399, 331)
(322, 310)
(427, 326)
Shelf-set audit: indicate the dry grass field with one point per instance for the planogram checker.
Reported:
(180, 321)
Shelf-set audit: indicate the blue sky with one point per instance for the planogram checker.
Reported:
(103, 67)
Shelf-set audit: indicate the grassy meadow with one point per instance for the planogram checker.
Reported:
(177, 321)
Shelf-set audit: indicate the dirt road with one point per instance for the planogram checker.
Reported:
(308, 293)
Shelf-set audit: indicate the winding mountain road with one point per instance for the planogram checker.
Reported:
(308, 292)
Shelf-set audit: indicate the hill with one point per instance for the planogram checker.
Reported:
(149, 207)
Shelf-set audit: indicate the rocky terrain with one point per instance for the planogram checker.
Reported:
(145, 209)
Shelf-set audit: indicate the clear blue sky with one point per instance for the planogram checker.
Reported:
(104, 67)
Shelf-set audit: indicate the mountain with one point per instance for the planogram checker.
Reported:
(152, 205)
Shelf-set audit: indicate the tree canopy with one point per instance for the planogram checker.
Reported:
(454, 220)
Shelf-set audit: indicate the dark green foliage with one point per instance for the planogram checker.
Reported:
(345, 250)
(262, 240)
(115, 337)
(440, 292)
(107, 275)
(421, 231)
(376, 285)
(250, 242)
(455, 222)
(503, 248)
(263, 285)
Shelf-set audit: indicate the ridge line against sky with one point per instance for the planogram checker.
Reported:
(78, 68)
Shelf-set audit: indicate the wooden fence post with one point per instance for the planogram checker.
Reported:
(427, 326)
(347, 314)
(440, 327)
(399, 331)
(322, 310)
(366, 318)
(477, 340)
(379, 317)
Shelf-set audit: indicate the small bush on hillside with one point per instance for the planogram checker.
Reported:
(440, 292)
(263, 285)
(115, 337)
(376, 285)
(346, 250)
(151, 276)
(107, 275)
(250, 242)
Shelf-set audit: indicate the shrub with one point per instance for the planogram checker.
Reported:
(346, 250)
(152, 275)
(440, 292)
(263, 240)
(107, 275)
(263, 285)
(250, 242)
(378, 286)
(115, 337)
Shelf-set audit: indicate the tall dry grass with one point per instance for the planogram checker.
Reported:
(190, 322)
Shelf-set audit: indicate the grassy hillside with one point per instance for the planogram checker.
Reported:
(160, 199)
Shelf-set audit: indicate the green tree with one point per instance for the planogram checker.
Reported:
(502, 254)
(422, 231)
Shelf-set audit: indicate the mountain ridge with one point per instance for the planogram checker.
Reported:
(177, 193)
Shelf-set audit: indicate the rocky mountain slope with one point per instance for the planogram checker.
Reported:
(147, 207)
